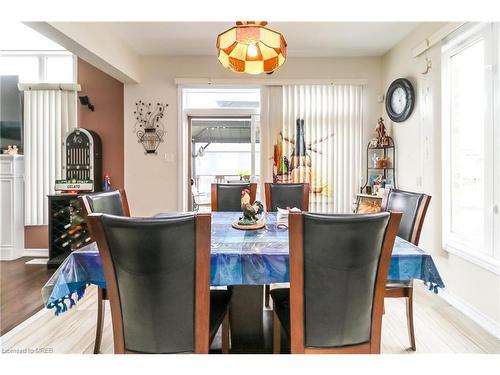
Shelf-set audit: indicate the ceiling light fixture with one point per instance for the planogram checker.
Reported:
(251, 48)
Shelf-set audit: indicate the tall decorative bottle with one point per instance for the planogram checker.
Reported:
(300, 161)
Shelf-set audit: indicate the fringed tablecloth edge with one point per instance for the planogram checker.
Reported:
(60, 304)
(433, 286)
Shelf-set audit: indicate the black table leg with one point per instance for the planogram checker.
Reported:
(246, 319)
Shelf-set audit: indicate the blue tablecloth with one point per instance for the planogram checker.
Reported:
(237, 257)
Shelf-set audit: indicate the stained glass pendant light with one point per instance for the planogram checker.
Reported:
(251, 48)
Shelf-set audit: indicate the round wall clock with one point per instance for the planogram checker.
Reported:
(400, 100)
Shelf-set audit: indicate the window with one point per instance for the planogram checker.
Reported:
(59, 68)
(26, 67)
(38, 66)
(470, 145)
(33, 57)
(222, 98)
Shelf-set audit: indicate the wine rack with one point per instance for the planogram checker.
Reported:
(67, 229)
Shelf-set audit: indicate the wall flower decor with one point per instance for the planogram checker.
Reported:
(149, 126)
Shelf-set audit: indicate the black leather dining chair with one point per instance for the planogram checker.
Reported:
(157, 274)
(287, 195)
(111, 203)
(338, 272)
(283, 196)
(227, 197)
(414, 208)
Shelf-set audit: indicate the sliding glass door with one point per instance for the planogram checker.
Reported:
(221, 140)
(223, 150)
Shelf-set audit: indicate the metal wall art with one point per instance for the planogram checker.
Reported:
(149, 125)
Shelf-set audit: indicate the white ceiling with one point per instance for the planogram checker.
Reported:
(303, 38)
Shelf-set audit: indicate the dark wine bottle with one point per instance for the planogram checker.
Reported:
(76, 220)
(74, 242)
(300, 142)
(75, 210)
(62, 211)
(299, 155)
(62, 238)
(78, 245)
(300, 163)
(78, 235)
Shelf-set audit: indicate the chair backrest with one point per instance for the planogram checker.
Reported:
(157, 274)
(413, 206)
(110, 203)
(338, 271)
(287, 195)
(227, 197)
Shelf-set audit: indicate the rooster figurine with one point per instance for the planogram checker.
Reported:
(251, 212)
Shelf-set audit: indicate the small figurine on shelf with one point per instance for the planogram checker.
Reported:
(107, 183)
(11, 150)
(381, 191)
(382, 163)
(381, 133)
(377, 184)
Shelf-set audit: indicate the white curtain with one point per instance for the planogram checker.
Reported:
(271, 122)
(48, 115)
(332, 125)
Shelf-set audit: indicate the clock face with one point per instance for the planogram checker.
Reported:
(400, 100)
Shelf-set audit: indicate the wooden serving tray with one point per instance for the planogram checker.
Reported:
(258, 225)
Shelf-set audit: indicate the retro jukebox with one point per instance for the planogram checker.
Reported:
(81, 163)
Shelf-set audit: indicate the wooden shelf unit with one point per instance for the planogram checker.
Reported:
(388, 173)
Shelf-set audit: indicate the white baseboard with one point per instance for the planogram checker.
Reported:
(471, 312)
(7, 253)
(39, 253)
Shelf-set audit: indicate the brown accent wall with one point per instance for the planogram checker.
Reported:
(36, 237)
(106, 94)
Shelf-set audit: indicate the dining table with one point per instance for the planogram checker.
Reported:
(243, 259)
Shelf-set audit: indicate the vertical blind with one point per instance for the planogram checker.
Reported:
(48, 115)
(332, 128)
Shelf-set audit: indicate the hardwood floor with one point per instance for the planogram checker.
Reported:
(20, 286)
(439, 328)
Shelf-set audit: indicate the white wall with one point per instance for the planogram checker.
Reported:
(150, 181)
(418, 142)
